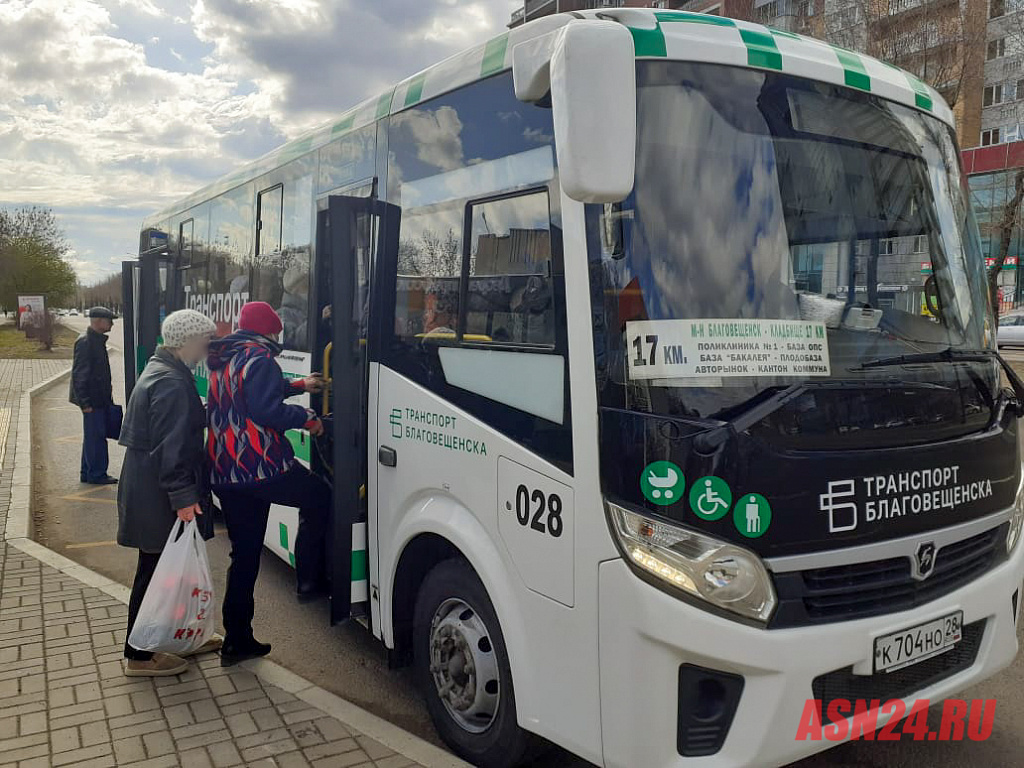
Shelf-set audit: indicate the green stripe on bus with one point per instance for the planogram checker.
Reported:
(343, 125)
(282, 532)
(202, 385)
(854, 73)
(649, 42)
(300, 441)
(415, 90)
(922, 96)
(140, 360)
(694, 18)
(761, 49)
(494, 55)
(384, 104)
(359, 570)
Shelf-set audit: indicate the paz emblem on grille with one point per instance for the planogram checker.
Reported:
(923, 561)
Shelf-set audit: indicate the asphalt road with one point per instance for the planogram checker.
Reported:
(81, 522)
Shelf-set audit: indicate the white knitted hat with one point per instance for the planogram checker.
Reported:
(185, 324)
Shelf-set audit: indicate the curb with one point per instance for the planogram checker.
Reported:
(18, 535)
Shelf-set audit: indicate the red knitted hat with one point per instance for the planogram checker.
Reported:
(259, 317)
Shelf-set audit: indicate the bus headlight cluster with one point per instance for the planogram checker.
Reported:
(715, 571)
(1017, 520)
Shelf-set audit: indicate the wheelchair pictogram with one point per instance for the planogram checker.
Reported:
(710, 498)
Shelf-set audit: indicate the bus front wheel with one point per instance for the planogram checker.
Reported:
(463, 669)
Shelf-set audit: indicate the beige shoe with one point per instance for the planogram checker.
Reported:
(210, 646)
(161, 665)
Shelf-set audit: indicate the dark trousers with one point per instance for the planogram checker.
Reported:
(143, 575)
(94, 446)
(246, 509)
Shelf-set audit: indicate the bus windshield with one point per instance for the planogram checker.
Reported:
(780, 230)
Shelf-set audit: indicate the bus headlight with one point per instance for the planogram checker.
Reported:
(715, 571)
(1017, 520)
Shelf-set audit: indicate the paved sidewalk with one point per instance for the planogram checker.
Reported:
(64, 700)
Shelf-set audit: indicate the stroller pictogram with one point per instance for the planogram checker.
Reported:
(663, 484)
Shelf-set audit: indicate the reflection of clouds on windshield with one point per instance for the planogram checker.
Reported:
(692, 195)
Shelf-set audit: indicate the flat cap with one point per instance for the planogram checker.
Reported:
(101, 312)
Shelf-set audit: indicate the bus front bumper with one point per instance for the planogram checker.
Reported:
(646, 635)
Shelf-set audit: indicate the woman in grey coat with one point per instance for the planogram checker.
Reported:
(164, 477)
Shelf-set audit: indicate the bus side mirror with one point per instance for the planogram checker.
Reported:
(589, 67)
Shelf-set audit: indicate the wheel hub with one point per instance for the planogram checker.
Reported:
(463, 665)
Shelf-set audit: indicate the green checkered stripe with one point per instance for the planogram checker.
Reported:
(701, 37)
(360, 573)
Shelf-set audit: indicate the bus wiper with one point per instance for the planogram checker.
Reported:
(712, 439)
(950, 355)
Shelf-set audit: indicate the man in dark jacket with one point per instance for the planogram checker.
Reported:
(91, 390)
(254, 466)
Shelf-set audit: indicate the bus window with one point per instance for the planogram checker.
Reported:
(509, 294)
(279, 272)
(185, 242)
(227, 287)
(474, 173)
(268, 224)
(429, 269)
(349, 159)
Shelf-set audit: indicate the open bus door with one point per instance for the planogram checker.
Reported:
(350, 230)
(150, 289)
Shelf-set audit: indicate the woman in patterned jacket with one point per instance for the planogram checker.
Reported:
(253, 466)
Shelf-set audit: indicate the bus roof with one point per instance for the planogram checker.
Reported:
(674, 35)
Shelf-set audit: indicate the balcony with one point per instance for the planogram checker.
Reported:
(538, 8)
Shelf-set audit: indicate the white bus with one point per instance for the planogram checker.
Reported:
(647, 424)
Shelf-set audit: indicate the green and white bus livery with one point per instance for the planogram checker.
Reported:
(647, 424)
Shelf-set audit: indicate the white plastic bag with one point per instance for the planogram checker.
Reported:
(176, 615)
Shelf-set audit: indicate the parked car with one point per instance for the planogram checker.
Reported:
(1011, 331)
(73, 313)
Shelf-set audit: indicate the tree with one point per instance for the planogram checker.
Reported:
(105, 292)
(1006, 227)
(33, 257)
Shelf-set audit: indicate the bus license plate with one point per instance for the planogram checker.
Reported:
(909, 646)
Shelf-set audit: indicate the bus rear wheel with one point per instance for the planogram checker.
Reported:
(463, 670)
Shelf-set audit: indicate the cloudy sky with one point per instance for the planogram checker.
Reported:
(110, 109)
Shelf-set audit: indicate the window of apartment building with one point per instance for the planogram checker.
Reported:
(996, 8)
(990, 137)
(768, 13)
(663, 4)
(993, 94)
(996, 49)
(1011, 133)
(920, 243)
(805, 8)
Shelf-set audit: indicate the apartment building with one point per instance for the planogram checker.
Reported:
(534, 9)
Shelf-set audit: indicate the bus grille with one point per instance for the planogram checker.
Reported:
(840, 593)
(843, 684)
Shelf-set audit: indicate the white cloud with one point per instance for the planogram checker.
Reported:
(110, 109)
